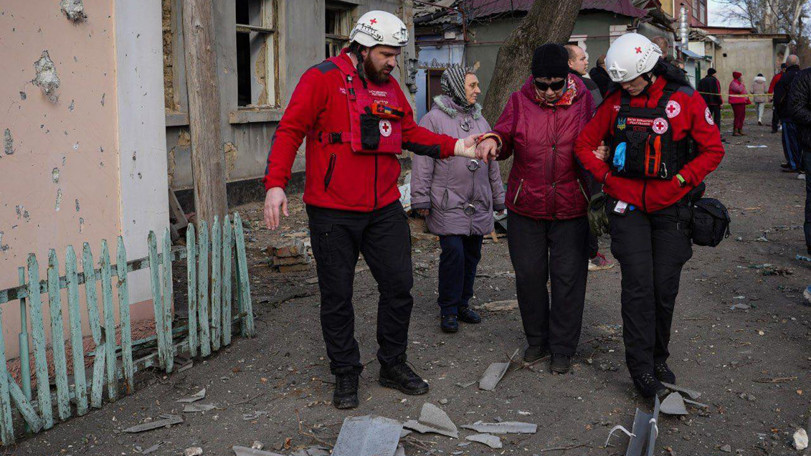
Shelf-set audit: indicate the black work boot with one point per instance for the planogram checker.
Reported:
(663, 373)
(399, 376)
(346, 391)
(648, 386)
(469, 316)
(535, 353)
(449, 324)
(560, 364)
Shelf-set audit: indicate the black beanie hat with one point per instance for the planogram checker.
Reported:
(711, 71)
(550, 60)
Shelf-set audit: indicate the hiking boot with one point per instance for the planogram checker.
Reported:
(600, 263)
(469, 316)
(402, 378)
(535, 353)
(648, 386)
(449, 324)
(346, 391)
(560, 364)
(663, 373)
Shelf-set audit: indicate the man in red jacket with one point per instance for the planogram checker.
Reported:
(356, 120)
(775, 79)
(662, 143)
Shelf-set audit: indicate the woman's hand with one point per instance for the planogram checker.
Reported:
(487, 150)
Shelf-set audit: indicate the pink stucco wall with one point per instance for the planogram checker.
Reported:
(75, 137)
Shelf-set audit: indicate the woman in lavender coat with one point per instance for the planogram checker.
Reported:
(457, 196)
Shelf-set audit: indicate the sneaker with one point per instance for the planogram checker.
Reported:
(648, 386)
(449, 324)
(600, 263)
(663, 373)
(801, 176)
(469, 316)
(346, 391)
(402, 378)
(560, 364)
(535, 353)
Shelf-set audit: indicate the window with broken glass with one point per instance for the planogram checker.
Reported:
(257, 53)
(338, 22)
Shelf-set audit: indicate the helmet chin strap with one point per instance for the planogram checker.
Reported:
(647, 78)
(361, 70)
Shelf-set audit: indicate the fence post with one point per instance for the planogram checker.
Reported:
(77, 349)
(124, 314)
(6, 423)
(202, 289)
(244, 281)
(58, 338)
(38, 335)
(25, 355)
(88, 266)
(157, 299)
(109, 321)
(191, 274)
(216, 280)
(168, 297)
(226, 280)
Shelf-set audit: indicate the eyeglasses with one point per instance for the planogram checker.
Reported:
(543, 87)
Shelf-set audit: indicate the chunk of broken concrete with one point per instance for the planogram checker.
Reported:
(434, 420)
(673, 405)
(193, 451)
(488, 439)
(193, 408)
(800, 440)
(499, 306)
(505, 427)
(494, 373)
(400, 451)
(194, 397)
(368, 436)
(46, 78)
(692, 393)
(165, 421)
(245, 451)
(73, 9)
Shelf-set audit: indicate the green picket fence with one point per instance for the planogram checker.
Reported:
(219, 296)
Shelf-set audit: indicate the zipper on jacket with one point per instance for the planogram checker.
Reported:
(554, 162)
(517, 191)
(330, 169)
(375, 206)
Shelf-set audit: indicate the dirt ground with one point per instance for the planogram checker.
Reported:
(752, 365)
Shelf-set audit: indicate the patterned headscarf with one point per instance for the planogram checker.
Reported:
(453, 85)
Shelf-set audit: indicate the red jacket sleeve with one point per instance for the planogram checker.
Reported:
(707, 139)
(774, 82)
(299, 117)
(422, 141)
(505, 128)
(596, 131)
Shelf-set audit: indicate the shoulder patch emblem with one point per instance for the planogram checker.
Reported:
(672, 109)
(708, 116)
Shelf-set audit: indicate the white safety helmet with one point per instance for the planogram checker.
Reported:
(629, 56)
(379, 28)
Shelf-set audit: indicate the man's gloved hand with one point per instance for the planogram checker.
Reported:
(598, 219)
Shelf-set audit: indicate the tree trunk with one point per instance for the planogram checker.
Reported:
(548, 21)
(207, 153)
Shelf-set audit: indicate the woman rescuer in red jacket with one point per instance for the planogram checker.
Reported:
(662, 143)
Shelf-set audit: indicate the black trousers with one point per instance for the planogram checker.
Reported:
(806, 163)
(651, 249)
(384, 238)
(775, 120)
(716, 115)
(550, 249)
(457, 271)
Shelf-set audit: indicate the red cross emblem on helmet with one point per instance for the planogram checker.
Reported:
(638, 50)
(373, 21)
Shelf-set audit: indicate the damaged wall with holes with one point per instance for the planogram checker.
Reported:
(258, 70)
(65, 76)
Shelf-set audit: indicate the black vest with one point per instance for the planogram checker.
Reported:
(646, 136)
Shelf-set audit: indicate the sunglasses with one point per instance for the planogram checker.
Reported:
(543, 87)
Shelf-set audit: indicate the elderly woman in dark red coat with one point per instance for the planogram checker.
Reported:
(546, 199)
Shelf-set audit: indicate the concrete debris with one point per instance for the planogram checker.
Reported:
(807, 294)
(289, 256)
(494, 373)
(194, 397)
(74, 10)
(151, 449)
(165, 421)
(434, 420)
(312, 451)
(400, 451)
(8, 142)
(368, 436)
(740, 307)
(46, 79)
(499, 306)
(690, 392)
(800, 440)
(643, 434)
(55, 175)
(504, 427)
(193, 408)
(404, 433)
(697, 404)
(674, 405)
(488, 439)
(245, 451)
(254, 415)
(257, 445)
(726, 448)
(465, 385)
(193, 451)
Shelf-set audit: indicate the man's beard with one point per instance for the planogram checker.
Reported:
(377, 77)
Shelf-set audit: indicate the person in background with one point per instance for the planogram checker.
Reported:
(710, 90)
(664, 46)
(799, 105)
(457, 196)
(772, 84)
(546, 200)
(600, 76)
(760, 98)
(791, 146)
(737, 90)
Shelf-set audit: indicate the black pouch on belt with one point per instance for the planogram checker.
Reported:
(369, 130)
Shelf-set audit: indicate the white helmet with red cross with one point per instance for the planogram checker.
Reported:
(379, 28)
(630, 56)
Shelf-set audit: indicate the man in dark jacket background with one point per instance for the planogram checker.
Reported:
(600, 76)
(774, 81)
(799, 104)
(710, 90)
(791, 146)
(578, 65)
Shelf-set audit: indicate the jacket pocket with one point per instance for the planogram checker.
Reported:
(518, 191)
(330, 170)
(444, 204)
